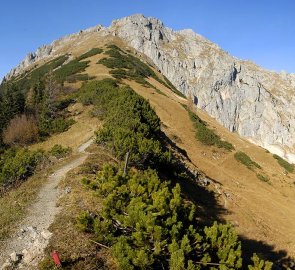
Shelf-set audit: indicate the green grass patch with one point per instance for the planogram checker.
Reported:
(246, 160)
(285, 164)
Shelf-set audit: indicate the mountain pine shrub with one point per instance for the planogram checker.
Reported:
(18, 164)
(131, 125)
(59, 151)
(285, 164)
(246, 160)
(126, 66)
(206, 135)
(148, 224)
(92, 52)
(145, 219)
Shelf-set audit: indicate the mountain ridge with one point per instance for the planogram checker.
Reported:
(36, 54)
(240, 95)
(257, 200)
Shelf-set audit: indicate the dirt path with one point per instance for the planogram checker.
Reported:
(24, 248)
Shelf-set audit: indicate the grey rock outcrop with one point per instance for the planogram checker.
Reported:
(244, 98)
(36, 241)
(47, 51)
(41, 53)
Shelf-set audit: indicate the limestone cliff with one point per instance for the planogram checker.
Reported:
(243, 97)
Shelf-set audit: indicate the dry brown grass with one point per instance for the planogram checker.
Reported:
(21, 130)
(260, 211)
(99, 71)
(78, 133)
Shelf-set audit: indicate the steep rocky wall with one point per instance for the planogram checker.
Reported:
(244, 98)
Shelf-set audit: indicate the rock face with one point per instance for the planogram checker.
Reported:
(244, 98)
(41, 53)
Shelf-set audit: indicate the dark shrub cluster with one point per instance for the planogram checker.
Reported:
(145, 220)
(285, 164)
(126, 66)
(206, 135)
(246, 160)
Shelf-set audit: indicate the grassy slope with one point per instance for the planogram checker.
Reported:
(260, 210)
(80, 132)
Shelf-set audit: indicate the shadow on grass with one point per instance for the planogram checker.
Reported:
(265, 251)
(210, 210)
(208, 207)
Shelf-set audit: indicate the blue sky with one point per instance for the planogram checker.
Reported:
(259, 30)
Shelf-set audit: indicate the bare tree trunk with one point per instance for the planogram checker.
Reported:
(126, 163)
(52, 91)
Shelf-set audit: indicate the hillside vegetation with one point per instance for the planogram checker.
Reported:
(206, 135)
(38, 94)
(126, 66)
(33, 108)
(145, 219)
(246, 160)
(285, 164)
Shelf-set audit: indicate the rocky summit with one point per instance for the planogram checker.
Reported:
(243, 97)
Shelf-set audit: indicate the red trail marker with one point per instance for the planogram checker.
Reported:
(56, 258)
